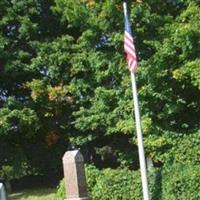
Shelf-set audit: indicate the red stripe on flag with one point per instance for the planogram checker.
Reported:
(130, 52)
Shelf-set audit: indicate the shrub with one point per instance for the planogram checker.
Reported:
(112, 184)
(170, 183)
(60, 194)
(92, 174)
(117, 184)
(181, 182)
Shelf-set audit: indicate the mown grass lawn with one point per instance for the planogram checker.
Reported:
(33, 194)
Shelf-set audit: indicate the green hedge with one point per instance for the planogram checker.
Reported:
(174, 182)
(181, 183)
(116, 185)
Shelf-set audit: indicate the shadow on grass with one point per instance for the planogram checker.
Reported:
(33, 194)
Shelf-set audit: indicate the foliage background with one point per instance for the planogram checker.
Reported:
(64, 83)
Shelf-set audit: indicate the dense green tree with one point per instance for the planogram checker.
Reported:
(64, 81)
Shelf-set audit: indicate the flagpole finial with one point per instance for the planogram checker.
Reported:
(125, 8)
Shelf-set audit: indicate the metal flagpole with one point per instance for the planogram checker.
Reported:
(139, 132)
(140, 140)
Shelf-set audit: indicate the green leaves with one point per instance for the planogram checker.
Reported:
(64, 77)
(19, 121)
(191, 70)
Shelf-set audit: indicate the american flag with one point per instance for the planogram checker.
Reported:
(129, 47)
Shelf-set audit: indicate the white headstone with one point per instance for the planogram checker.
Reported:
(2, 192)
(149, 163)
